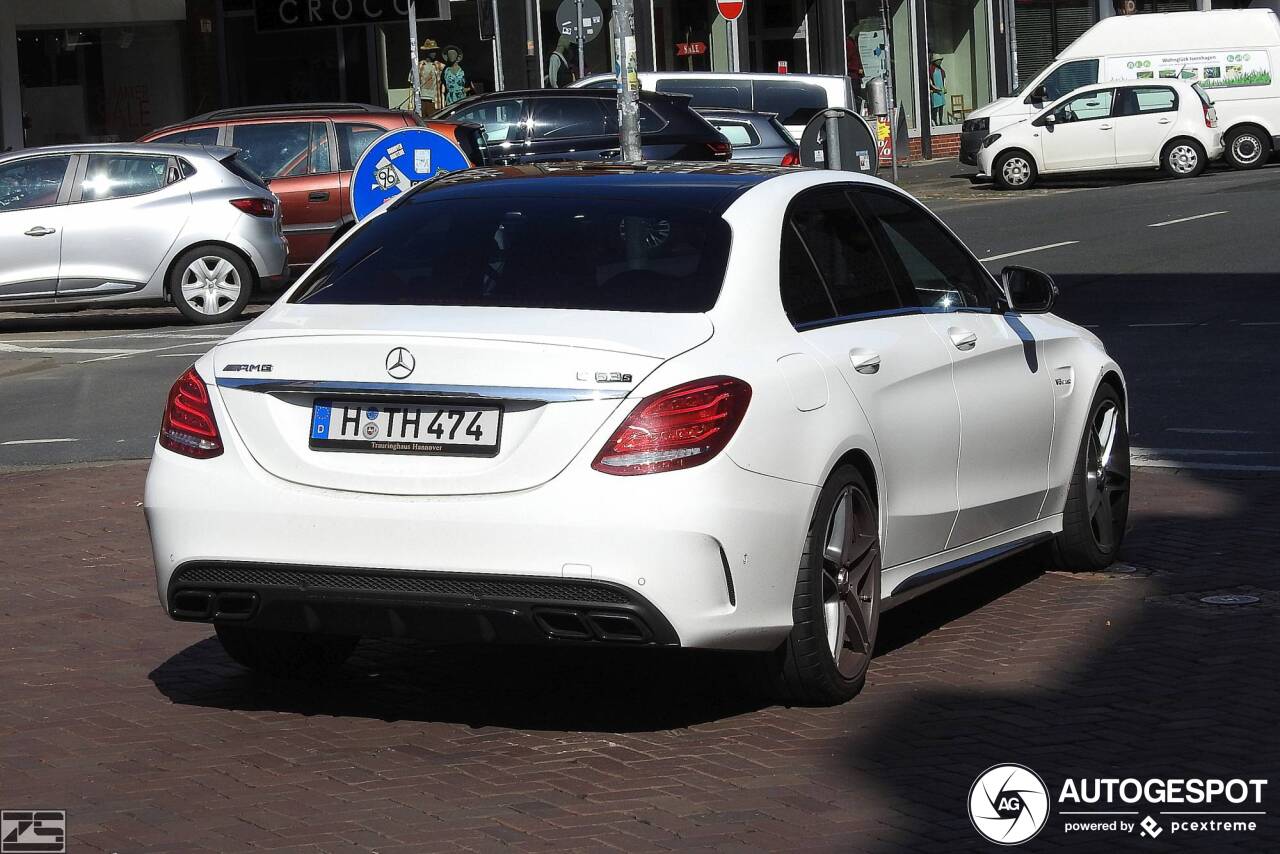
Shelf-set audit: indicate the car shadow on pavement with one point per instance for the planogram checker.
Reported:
(108, 320)
(1120, 674)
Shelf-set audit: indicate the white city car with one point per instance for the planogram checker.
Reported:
(1132, 124)
(711, 406)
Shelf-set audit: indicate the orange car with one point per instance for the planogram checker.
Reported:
(307, 152)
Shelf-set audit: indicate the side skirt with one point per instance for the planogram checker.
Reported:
(928, 579)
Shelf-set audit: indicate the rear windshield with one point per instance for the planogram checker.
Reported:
(793, 101)
(236, 167)
(720, 92)
(606, 254)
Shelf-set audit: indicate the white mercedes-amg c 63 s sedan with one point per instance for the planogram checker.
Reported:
(713, 406)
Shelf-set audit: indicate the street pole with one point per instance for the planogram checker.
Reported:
(497, 46)
(532, 74)
(413, 59)
(733, 43)
(624, 33)
(582, 44)
(888, 87)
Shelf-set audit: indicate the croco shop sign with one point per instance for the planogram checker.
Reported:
(283, 15)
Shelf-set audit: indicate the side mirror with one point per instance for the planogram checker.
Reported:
(1029, 291)
(1038, 95)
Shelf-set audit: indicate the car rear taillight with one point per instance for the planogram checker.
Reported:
(720, 150)
(1210, 116)
(791, 158)
(678, 428)
(189, 427)
(256, 206)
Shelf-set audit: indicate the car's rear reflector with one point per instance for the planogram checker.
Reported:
(679, 428)
(188, 427)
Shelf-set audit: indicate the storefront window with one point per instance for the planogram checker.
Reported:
(959, 75)
(904, 70)
(560, 51)
(106, 84)
(457, 62)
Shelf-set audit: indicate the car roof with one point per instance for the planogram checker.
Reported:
(1184, 85)
(713, 185)
(316, 109)
(734, 112)
(721, 75)
(166, 148)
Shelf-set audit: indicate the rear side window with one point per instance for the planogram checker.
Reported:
(650, 121)
(501, 119)
(717, 92)
(830, 264)
(567, 118)
(739, 134)
(283, 149)
(942, 272)
(114, 176)
(1136, 101)
(353, 139)
(793, 101)
(610, 254)
(198, 136)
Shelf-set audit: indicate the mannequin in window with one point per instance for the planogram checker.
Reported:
(937, 89)
(429, 70)
(453, 77)
(559, 66)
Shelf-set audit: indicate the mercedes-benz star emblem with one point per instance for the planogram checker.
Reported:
(400, 363)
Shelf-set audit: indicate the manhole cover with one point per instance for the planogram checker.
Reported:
(1230, 599)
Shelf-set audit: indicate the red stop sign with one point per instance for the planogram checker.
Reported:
(730, 9)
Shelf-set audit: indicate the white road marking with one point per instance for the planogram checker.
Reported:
(1210, 430)
(122, 336)
(128, 353)
(1167, 458)
(1194, 452)
(36, 441)
(1262, 323)
(178, 355)
(1154, 463)
(15, 348)
(1186, 219)
(1176, 323)
(1032, 249)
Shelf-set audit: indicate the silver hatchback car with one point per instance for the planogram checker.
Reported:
(135, 224)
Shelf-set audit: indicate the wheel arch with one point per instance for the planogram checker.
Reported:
(254, 284)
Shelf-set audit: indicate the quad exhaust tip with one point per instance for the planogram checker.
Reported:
(208, 605)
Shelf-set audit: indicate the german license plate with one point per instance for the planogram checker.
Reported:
(406, 428)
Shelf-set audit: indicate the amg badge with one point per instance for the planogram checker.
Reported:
(248, 369)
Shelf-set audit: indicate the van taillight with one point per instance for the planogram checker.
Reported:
(188, 427)
(679, 428)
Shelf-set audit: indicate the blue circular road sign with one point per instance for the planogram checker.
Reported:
(396, 161)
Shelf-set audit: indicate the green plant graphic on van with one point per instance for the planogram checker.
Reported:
(1248, 78)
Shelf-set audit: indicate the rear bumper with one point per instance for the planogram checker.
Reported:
(440, 607)
(701, 558)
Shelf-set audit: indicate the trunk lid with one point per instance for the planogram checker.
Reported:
(557, 375)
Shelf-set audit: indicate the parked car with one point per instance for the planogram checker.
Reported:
(754, 137)
(1167, 124)
(795, 98)
(540, 125)
(307, 152)
(698, 405)
(1232, 53)
(135, 224)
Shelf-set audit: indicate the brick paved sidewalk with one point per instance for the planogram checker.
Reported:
(154, 741)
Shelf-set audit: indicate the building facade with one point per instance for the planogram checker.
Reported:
(108, 70)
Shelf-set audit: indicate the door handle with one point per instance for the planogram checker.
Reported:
(864, 361)
(1104, 127)
(39, 231)
(612, 152)
(1163, 121)
(318, 196)
(963, 339)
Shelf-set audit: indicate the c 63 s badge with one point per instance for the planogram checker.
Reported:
(603, 377)
(247, 369)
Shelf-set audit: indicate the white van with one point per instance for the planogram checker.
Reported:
(1233, 54)
(795, 98)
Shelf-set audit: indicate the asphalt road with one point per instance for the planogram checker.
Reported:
(1178, 278)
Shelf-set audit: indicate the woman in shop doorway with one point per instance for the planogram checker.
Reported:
(937, 89)
(453, 77)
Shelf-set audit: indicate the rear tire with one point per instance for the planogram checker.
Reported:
(210, 284)
(1183, 158)
(286, 655)
(836, 606)
(1014, 170)
(1248, 148)
(1097, 507)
